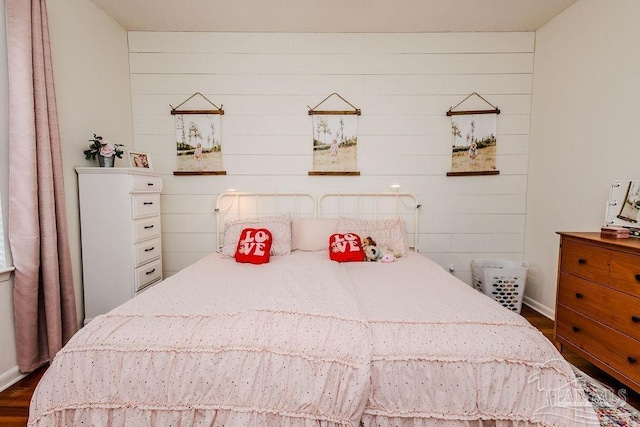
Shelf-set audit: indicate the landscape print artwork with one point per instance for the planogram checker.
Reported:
(631, 207)
(335, 143)
(198, 142)
(474, 143)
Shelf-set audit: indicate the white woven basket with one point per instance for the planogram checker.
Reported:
(502, 280)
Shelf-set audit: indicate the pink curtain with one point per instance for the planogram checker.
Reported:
(43, 295)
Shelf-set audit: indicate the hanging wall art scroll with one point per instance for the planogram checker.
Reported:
(335, 140)
(473, 132)
(198, 141)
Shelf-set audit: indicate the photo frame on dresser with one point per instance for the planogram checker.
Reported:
(139, 160)
(623, 206)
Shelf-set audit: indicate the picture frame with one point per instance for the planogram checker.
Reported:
(335, 139)
(630, 210)
(473, 132)
(198, 138)
(623, 206)
(198, 144)
(139, 159)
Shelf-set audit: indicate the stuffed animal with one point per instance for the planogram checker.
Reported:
(368, 241)
(388, 257)
(372, 253)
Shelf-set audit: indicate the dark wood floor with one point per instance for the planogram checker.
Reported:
(14, 401)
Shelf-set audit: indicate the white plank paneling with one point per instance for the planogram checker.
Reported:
(468, 223)
(143, 41)
(488, 242)
(176, 261)
(188, 204)
(188, 242)
(403, 83)
(330, 43)
(293, 104)
(188, 223)
(315, 85)
(478, 204)
(413, 43)
(314, 64)
(475, 185)
(486, 84)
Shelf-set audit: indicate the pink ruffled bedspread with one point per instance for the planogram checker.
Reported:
(293, 351)
(444, 355)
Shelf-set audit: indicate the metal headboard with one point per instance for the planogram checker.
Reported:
(374, 206)
(234, 205)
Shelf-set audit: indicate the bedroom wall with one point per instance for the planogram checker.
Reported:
(403, 83)
(585, 105)
(91, 72)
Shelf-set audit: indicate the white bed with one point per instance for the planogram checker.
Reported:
(303, 340)
(446, 355)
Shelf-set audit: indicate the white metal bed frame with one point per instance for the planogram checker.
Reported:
(235, 205)
(374, 206)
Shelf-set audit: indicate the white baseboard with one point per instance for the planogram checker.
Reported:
(542, 309)
(9, 378)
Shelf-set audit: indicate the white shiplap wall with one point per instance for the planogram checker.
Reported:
(403, 83)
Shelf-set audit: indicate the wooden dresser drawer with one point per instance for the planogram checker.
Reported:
(625, 273)
(145, 229)
(595, 302)
(587, 261)
(145, 205)
(146, 184)
(147, 251)
(148, 274)
(608, 346)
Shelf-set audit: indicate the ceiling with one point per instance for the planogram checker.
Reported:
(360, 16)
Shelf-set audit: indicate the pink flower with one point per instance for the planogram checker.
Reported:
(107, 149)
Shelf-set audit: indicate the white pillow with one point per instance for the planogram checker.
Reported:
(312, 234)
(278, 225)
(389, 234)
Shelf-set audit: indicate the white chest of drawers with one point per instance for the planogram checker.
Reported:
(121, 235)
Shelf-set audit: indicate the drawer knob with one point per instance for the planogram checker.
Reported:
(579, 295)
(150, 272)
(638, 277)
(582, 261)
(150, 184)
(576, 329)
(631, 359)
(146, 227)
(147, 203)
(635, 319)
(150, 249)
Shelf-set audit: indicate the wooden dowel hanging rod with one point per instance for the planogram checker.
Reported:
(495, 109)
(462, 113)
(174, 112)
(335, 113)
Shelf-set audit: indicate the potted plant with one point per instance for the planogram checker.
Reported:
(105, 151)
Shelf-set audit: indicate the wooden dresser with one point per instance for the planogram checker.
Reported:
(121, 235)
(598, 302)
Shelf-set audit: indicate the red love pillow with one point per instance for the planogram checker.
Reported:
(254, 246)
(345, 247)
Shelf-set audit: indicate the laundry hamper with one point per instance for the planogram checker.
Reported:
(502, 280)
